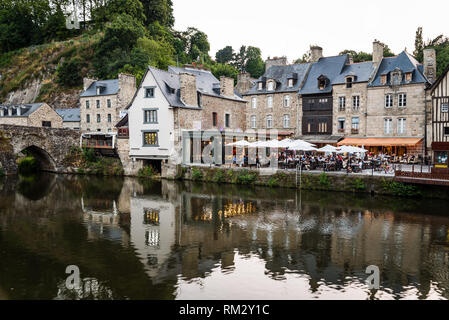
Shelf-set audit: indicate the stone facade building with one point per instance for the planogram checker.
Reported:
(103, 101)
(273, 101)
(171, 106)
(396, 113)
(31, 115)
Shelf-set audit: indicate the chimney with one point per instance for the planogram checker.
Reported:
(378, 52)
(351, 59)
(226, 86)
(189, 94)
(317, 53)
(430, 64)
(276, 61)
(126, 80)
(243, 83)
(87, 83)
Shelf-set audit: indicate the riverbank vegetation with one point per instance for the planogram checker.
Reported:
(85, 161)
(311, 181)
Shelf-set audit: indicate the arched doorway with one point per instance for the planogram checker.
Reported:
(46, 162)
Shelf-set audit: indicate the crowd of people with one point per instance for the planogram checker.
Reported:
(336, 162)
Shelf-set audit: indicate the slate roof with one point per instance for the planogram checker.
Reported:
(205, 81)
(110, 87)
(166, 81)
(362, 72)
(406, 63)
(331, 67)
(69, 115)
(281, 74)
(26, 109)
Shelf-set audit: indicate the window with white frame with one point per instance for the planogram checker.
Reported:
(254, 102)
(259, 86)
(388, 125)
(356, 102)
(355, 123)
(401, 125)
(287, 101)
(342, 103)
(270, 86)
(270, 102)
(286, 121)
(269, 121)
(290, 83)
(388, 100)
(253, 122)
(402, 100)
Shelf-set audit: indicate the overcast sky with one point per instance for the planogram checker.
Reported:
(289, 27)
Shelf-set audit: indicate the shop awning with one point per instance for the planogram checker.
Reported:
(380, 142)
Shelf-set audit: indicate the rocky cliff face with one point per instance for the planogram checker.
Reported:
(30, 75)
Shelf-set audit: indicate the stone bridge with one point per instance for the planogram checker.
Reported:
(48, 145)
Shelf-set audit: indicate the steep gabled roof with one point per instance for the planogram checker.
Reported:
(206, 82)
(404, 62)
(330, 67)
(281, 74)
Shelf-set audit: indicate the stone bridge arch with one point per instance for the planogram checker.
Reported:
(49, 145)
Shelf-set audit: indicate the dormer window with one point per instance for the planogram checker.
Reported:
(270, 86)
(290, 83)
(100, 89)
(396, 77)
(260, 85)
(408, 77)
(323, 81)
(349, 81)
(383, 79)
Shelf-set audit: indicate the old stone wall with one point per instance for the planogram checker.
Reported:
(349, 112)
(277, 111)
(45, 113)
(414, 112)
(50, 145)
(130, 168)
(104, 125)
(222, 106)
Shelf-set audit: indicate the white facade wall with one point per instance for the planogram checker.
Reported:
(164, 127)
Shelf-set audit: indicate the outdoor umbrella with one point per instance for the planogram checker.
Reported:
(299, 147)
(351, 149)
(241, 143)
(328, 148)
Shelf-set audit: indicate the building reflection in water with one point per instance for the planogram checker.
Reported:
(167, 240)
(323, 249)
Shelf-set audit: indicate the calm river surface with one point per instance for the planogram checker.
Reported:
(169, 240)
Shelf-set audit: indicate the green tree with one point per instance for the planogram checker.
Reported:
(69, 74)
(419, 44)
(249, 59)
(358, 56)
(159, 11)
(225, 55)
(226, 70)
(254, 65)
(114, 49)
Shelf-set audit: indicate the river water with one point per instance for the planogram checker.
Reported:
(134, 239)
